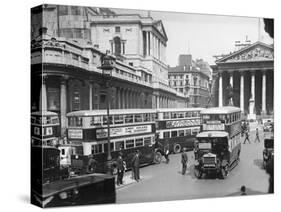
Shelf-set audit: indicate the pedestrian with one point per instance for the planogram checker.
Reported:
(243, 190)
(184, 160)
(120, 169)
(257, 135)
(166, 152)
(92, 164)
(136, 166)
(247, 137)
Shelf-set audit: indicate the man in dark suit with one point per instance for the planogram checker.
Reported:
(136, 166)
(120, 169)
(184, 160)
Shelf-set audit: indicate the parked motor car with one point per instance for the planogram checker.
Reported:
(268, 152)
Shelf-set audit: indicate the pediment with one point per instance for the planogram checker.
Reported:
(255, 52)
(159, 26)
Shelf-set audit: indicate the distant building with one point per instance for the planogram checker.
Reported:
(192, 79)
(250, 73)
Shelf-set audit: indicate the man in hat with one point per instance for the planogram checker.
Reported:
(184, 160)
(120, 169)
(136, 166)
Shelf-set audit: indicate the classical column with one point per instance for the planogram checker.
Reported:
(231, 78)
(63, 105)
(43, 95)
(151, 44)
(264, 92)
(242, 91)
(253, 85)
(147, 46)
(90, 95)
(220, 90)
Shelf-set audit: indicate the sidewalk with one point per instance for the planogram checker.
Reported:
(127, 180)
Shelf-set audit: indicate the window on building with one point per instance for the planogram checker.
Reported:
(75, 10)
(117, 45)
(117, 29)
(63, 10)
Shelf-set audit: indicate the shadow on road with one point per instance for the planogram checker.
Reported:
(258, 163)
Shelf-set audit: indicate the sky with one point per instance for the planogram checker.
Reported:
(204, 36)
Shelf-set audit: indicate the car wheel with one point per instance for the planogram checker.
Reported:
(197, 173)
(177, 148)
(224, 172)
(157, 157)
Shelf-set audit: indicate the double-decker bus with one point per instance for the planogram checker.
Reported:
(218, 144)
(130, 130)
(45, 128)
(177, 128)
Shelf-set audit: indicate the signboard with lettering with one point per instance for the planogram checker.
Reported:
(212, 127)
(122, 131)
(75, 134)
(182, 123)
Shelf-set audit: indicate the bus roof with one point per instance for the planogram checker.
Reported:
(212, 134)
(221, 110)
(111, 112)
(44, 113)
(179, 109)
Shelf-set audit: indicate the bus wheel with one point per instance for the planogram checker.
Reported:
(177, 148)
(157, 157)
(197, 173)
(224, 172)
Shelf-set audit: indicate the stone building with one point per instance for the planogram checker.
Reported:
(249, 71)
(192, 79)
(65, 75)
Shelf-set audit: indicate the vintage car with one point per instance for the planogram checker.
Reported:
(268, 152)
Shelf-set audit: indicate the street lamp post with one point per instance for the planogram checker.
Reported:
(107, 65)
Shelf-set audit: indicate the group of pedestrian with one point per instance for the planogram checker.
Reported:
(247, 136)
(121, 167)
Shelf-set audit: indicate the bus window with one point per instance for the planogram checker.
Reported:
(180, 115)
(173, 115)
(189, 114)
(181, 133)
(75, 121)
(105, 120)
(174, 134)
(166, 134)
(129, 119)
(146, 117)
(194, 114)
(138, 117)
(187, 132)
(119, 145)
(139, 142)
(153, 116)
(147, 141)
(166, 115)
(195, 131)
(96, 121)
(129, 144)
(118, 119)
(96, 149)
(106, 145)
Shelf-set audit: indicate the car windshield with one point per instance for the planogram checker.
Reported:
(216, 145)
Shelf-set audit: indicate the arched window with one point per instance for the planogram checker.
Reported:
(117, 45)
